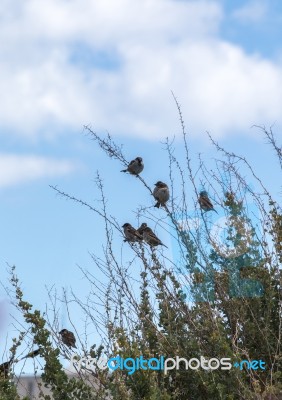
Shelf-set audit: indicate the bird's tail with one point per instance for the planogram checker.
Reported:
(157, 204)
(32, 354)
(123, 170)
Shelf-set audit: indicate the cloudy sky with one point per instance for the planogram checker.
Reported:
(113, 64)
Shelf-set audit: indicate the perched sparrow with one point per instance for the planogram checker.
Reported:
(140, 230)
(135, 166)
(131, 234)
(68, 338)
(205, 202)
(150, 237)
(32, 354)
(5, 368)
(161, 193)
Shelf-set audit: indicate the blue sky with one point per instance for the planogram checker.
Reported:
(112, 64)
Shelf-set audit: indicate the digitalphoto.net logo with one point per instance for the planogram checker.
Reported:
(131, 365)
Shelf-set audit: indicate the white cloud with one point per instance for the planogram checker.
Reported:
(155, 45)
(16, 169)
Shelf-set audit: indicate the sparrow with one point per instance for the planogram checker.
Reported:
(141, 228)
(135, 166)
(131, 234)
(31, 354)
(5, 368)
(150, 237)
(68, 338)
(161, 193)
(205, 202)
